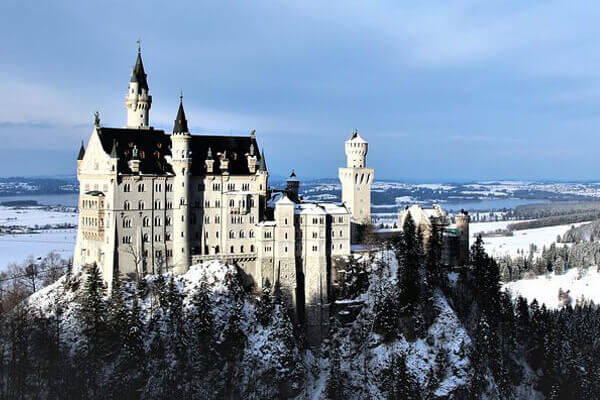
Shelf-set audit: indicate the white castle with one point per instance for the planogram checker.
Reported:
(154, 202)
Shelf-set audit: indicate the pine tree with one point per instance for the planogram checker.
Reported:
(265, 306)
(386, 311)
(397, 382)
(408, 272)
(334, 386)
(118, 313)
(93, 309)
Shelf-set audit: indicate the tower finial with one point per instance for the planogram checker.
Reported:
(139, 42)
(97, 119)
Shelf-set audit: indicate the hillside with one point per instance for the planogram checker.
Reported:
(421, 333)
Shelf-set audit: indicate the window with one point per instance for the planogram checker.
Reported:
(217, 219)
(126, 205)
(251, 202)
(231, 203)
(251, 248)
(141, 205)
(206, 235)
(181, 201)
(168, 221)
(140, 187)
(207, 219)
(231, 187)
(216, 187)
(207, 203)
(126, 239)
(245, 187)
(217, 234)
(267, 235)
(231, 249)
(169, 187)
(285, 235)
(157, 204)
(341, 233)
(315, 235)
(169, 205)
(169, 253)
(157, 238)
(158, 187)
(241, 249)
(242, 235)
(285, 221)
(167, 237)
(126, 223)
(251, 234)
(127, 187)
(341, 220)
(315, 248)
(252, 219)
(285, 249)
(231, 235)
(217, 249)
(218, 203)
(145, 238)
(158, 254)
(146, 222)
(156, 221)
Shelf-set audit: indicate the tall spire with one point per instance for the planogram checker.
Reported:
(181, 125)
(138, 74)
(81, 152)
(263, 162)
(113, 152)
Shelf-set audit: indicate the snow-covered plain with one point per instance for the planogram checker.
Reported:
(545, 288)
(15, 248)
(35, 216)
(508, 245)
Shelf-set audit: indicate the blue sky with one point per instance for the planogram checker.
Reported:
(443, 91)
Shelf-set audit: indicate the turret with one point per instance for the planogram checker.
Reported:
(138, 100)
(80, 156)
(134, 163)
(462, 226)
(293, 186)
(209, 162)
(356, 179)
(182, 162)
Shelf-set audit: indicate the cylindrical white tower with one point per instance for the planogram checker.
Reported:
(138, 100)
(181, 162)
(356, 179)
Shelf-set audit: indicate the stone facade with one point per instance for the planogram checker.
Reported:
(154, 202)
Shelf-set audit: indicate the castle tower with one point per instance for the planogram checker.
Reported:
(181, 162)
(138, 99)
(292, 186)
(285, 250)
(462, 226)
(356, 179)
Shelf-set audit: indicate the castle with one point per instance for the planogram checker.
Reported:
(153, 202)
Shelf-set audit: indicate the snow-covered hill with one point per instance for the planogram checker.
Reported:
(583, 284)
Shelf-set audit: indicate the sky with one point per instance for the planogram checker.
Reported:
(443, 91)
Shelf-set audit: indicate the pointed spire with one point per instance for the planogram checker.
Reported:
(263, 162)
(113, 152)
(181, 125)
(81, 152)
(138, 74)
(293, 174)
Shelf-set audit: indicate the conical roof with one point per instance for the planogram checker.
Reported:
(138, 74)
(81, 152)
(263, 162)
(181, 125)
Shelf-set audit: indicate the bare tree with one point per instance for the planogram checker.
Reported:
(138, 260)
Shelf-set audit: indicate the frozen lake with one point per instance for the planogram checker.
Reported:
(47, 199)
(15, 248)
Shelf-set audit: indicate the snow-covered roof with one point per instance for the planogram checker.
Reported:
(284, 200)
(309, 208)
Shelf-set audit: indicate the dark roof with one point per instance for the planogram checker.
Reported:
(81, 152)
(138, 74)
(181, 125)
(236, 147)
(154, 145)
(263, 162)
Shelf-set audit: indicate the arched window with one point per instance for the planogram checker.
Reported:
(126, 205)
(231, 203)
(241, 249)
(251, 248)
(242, 235)
(231, 235)
(140, 205)
(126, 223)
(156, 221)
(217, 250)
(231, 249)
(145, 237)
(251, 234)
(146, 222)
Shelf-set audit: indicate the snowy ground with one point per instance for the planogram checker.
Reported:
(35, 216)
(545, 288)
(15, 248)
(503, 245)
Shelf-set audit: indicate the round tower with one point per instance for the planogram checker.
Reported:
(181, 160)
(356, 179)
(138, 100)
(462, 227)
